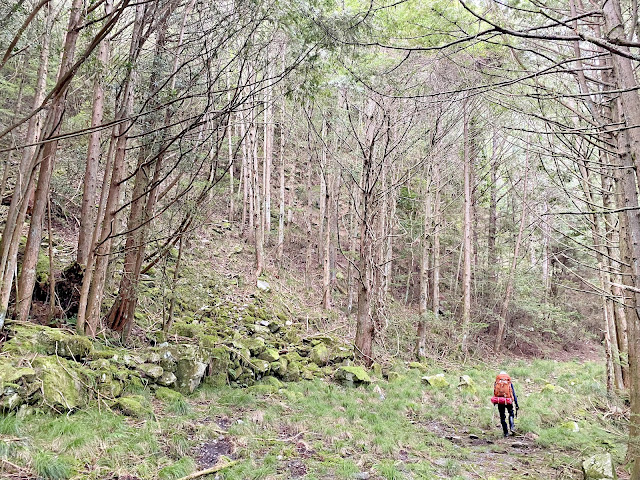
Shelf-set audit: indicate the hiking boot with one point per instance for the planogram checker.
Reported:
(505, 435)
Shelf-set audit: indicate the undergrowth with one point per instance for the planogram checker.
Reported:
(321, 430)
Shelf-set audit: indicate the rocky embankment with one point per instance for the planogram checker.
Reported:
(42, 367)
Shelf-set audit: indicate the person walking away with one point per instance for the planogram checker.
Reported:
(504, 395)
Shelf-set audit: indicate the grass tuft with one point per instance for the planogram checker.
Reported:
(52, 467)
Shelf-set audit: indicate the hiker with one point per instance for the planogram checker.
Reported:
(504, 395)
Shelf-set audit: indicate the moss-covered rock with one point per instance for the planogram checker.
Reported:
(168, 395)
(418, 366)
(151, 371)
(437, 381)
(133, 406)
(189, 373)
(599, 467)
(319, 355)
(256, 345)
(26, 338)
(167, 379)
(260, 366)
(64, 384)
(292, 373)
(394, 376)
(467, 384)
(270, 355)
(352, 376)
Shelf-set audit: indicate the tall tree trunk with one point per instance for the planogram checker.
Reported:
(424, 275)
(435, 246)
(87, 212)
(41, 195)
(268, 155)
(94, 280)
(365, 329)
(492, 259)
(281, 209)
(24, 182)
(466, 235)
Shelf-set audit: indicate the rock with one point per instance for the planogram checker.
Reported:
(273, 381)
(218, 367)
(376, 368)
(519, 445)
(320, 355)
(47, 340)
(133, 406)
(257, 329)
(75, 346)
(599, 467)
(168, 395)
(378, 391)
(151, 371)
(167, 379)
(109, 386)
(260, 366)
(292, 373)
(270, 355)
(548, 388)
(189, 373)
(394, 377)
(255, 345)
(362, 476)
(437, 381)
(263, 285)
(473, 436)
(63, 385)
(418, 366)
(466, 383)
(10, 399)
(571, 427)
(352, 376)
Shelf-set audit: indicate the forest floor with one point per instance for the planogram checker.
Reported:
(321, 430)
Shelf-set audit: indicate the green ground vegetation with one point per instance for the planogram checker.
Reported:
(318, 429)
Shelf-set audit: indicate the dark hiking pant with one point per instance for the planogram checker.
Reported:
(503, 420)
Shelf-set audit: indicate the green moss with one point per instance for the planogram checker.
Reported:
(168, 395)
(64, 384)
(133, 406)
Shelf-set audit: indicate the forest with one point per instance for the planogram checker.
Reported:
(272, 239)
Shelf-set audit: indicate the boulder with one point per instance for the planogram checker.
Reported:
(168, 395)
(571, 427)
(351, 376)
(418, 366)
(467, 384)
(319, 354)
(270, 355)
(167, 379)
(189, 373)
(437, 381)
(599, 467)
(133, 406)
(260, 366)
(263, 285)
(47, 340)
(394, 377)
(151, 371)
(63, 385)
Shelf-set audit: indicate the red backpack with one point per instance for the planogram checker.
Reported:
(502, 390)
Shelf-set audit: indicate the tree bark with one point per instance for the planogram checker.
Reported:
(25, 180)
(88, 213)
(54, 119)
(466, 236)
